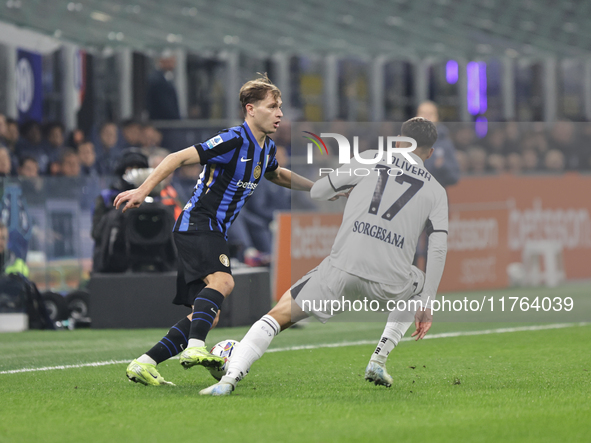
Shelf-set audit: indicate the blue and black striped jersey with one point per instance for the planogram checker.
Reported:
(234, 163)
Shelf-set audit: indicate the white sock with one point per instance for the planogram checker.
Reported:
(393, 333)
(251, 348)
(194, 343)
(147, 359)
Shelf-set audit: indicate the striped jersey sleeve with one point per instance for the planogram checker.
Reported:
(438, 216)
(220, 148)
(272, 163)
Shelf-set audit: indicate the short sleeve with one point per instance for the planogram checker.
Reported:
(272, 163)
(438, 217)
(220, 148)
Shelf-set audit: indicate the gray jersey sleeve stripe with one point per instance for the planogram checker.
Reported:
(342, 188)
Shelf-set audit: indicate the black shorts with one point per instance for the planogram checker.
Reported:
(200, 253)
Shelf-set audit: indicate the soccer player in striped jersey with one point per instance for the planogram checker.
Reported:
(371, 257)
(235, 160)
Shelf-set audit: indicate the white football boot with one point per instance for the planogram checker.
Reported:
(218, 389)
(376, 373)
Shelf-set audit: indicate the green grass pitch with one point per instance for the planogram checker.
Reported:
(529, 385)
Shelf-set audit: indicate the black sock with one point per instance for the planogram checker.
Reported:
(172, 343)
(205, 308)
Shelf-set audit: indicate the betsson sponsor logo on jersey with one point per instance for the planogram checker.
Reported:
(246, 185)
(379, 233)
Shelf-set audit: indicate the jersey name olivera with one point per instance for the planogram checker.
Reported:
(384, 217)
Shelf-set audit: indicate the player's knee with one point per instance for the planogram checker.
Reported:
(229, 285)
(220, 281)
(225, 284)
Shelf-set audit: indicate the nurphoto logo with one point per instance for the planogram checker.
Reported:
(345, 152)
(345, 148)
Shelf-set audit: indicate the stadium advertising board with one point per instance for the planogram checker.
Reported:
(491, 219)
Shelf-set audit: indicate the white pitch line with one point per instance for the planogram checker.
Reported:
(327, 345)
(442, 335)
(51, 368)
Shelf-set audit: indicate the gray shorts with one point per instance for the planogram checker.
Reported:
(315, 291)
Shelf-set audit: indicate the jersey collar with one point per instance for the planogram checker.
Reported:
(252, 136)
(418, 159)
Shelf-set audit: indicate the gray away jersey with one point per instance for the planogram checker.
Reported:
(384, 217)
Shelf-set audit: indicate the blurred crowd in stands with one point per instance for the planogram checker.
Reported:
(524, 148)
(32, 150)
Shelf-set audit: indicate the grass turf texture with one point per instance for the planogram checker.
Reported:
(521, 386)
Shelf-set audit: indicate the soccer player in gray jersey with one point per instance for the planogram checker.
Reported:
(371, 256)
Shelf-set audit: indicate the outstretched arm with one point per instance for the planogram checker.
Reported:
(435, 264)
(135, 197)
(288, 179)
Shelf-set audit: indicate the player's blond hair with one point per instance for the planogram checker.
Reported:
(256, 90)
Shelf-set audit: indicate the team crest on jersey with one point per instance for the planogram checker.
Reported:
(213, 142)
(257, 171)
(225, 260)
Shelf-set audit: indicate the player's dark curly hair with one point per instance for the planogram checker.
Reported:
(256, 90)
(422, 130)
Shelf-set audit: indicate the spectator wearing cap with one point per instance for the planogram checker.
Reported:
(131, 158)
